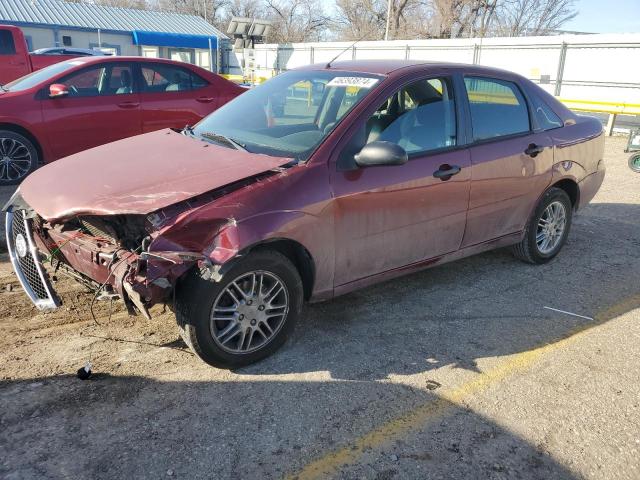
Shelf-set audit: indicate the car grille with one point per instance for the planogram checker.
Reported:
(26, 262)
(99, 229)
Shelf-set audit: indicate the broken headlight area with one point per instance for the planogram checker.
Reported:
(109, 254)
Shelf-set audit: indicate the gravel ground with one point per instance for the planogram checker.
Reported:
(456, 372)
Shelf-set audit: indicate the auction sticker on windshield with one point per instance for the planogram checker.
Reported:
(362, 82)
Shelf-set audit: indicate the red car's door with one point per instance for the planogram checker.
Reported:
(511, 164)
(173, 96)
(102, 106)
(388, 217)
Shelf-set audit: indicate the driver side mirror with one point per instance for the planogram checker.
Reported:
(58, 90)
(381, 153)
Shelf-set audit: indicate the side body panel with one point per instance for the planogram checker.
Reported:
(506, 185)
(391, 216)
(78, 123)
(294, 204)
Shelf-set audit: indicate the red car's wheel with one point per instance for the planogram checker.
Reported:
(244, 317)
(548, 229)
(18, 157)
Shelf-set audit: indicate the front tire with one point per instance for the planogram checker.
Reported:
(18, 157)
(548, 228)
(244, 317)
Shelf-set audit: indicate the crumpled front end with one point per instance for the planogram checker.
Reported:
(109, 254)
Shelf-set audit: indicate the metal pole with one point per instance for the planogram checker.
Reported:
(386, 31)
(210, 55)
(561, 61)
(99, 40)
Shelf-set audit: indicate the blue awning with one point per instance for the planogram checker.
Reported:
(181, 40)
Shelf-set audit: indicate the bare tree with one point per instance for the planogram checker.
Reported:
(450, 18)
(532, 17)
(366, 19)
(296, 20)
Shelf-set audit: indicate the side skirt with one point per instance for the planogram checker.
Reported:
(503, 241)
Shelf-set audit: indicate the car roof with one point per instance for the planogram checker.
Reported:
(115, 58)
(387, 67)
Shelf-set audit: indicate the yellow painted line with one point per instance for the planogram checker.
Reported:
(415, 419)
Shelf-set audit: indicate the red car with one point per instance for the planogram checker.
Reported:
(277, 198)
(89, 101)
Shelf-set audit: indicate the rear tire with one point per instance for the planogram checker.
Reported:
(548, 228)
(18, 157)
(240, 320)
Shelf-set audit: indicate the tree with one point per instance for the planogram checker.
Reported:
(533, 17)
(450, 18)
(296, 20)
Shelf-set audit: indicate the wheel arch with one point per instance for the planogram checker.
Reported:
(571, 188)
(294, 251)
(13, 127)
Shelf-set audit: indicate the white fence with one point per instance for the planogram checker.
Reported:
(603, 67)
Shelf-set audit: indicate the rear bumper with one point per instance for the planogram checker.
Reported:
(26, 260)
(589, 186)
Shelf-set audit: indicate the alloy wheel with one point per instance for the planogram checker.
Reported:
(15, 159)
(249, 312)
(551, 227)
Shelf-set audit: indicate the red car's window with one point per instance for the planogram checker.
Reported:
(100, 80)
(169, 78)
(419, 117)
(547, 119)
(497, 108)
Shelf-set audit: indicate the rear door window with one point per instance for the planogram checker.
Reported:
(7, 45)
(169, 78)
(497, 108)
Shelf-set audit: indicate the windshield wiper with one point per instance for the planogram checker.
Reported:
(216, 137)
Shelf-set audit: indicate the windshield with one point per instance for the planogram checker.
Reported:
(35, 78)
(291, 114)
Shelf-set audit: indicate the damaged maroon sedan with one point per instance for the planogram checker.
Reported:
(322, 180)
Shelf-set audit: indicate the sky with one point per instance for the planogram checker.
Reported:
(606, 16)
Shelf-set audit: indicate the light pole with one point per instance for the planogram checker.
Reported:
(386, 30)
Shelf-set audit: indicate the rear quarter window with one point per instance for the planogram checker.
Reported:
(545, 116)
(497, 108)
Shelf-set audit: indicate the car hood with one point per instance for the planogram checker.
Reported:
(138, 175)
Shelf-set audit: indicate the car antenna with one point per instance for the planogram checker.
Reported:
(328, 65)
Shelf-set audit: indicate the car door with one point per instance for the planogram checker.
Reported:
(173, 96)
(102, 106)
(387, 217)
(511, 163)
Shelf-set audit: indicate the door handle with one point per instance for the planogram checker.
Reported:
(128, 104)
(205, 99)
(533, 150)
(446, 171)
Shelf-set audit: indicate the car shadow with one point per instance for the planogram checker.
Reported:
(488, 305)
(134, 427)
